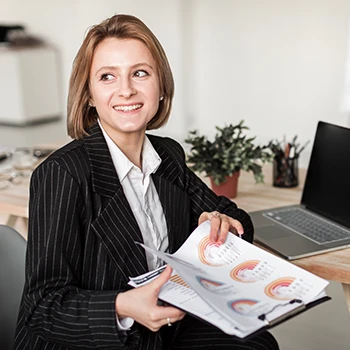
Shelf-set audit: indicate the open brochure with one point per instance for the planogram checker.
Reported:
(236, 286)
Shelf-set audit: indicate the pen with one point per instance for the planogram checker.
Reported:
(302, 148)
(287, 150)
(292, 152)
(150, 276)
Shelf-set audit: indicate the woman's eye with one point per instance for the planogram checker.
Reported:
(106, 77)
(140, 73)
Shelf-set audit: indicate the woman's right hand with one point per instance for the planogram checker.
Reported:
(141, 304)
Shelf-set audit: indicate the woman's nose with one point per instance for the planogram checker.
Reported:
(126, 88)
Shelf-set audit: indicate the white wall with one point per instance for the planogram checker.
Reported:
(277, 64)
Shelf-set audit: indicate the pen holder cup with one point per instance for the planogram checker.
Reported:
(285, 172)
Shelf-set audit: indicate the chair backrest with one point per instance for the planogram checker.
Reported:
(12, 271)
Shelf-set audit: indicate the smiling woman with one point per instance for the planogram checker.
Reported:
(80, 114)
(115, 185)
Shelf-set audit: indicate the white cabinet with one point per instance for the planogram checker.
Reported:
(29, 85)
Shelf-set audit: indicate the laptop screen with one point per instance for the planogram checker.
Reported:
(327, 185)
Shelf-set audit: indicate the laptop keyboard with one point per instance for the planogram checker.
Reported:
(309, 225)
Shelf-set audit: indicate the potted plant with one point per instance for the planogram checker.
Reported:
(223, 158)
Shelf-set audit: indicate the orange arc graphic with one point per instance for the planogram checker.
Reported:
(237, 273)
(272, 290)
(204, 244)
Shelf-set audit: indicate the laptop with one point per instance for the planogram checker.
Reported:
(321, 222)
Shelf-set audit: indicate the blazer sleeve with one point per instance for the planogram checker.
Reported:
(57, 309)
(204, 199)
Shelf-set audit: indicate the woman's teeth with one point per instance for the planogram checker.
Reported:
(127, 108)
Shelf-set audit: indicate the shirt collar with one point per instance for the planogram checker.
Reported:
(150, 158)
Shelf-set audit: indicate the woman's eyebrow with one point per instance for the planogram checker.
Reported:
(115, 68)
(141, 64)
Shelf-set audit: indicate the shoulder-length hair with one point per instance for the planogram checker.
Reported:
(80, 115)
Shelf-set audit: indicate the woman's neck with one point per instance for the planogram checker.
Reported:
(129, 143)
(131, 146)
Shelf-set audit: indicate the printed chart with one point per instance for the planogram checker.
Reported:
(214, 254)
(215, 286)
(251, 271)
(280, 289)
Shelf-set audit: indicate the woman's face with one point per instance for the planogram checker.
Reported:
(124, 86)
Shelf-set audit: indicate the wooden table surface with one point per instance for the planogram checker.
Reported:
(333, 266)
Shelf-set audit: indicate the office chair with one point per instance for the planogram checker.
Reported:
(12, 266)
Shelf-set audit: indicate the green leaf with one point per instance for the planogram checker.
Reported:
(230, 151)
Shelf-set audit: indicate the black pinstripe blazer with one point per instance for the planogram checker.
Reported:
(81, 247)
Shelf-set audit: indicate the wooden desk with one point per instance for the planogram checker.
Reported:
(334, 266)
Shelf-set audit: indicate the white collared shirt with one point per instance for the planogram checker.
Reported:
(142, 195)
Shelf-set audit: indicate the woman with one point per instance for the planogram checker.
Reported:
(113, 185)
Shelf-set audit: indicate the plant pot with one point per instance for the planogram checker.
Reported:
(227, 188)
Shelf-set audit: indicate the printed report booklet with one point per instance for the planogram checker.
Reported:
(236, 286)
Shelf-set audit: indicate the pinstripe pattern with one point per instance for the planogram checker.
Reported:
(81, 247)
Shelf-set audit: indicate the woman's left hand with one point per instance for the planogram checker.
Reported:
(220, 225)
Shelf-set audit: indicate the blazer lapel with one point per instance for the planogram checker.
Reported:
(115, 223)
(118, 230)
(104, 177)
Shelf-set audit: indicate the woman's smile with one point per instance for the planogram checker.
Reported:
(128, 108)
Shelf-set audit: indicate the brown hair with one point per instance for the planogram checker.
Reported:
(80, 116)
